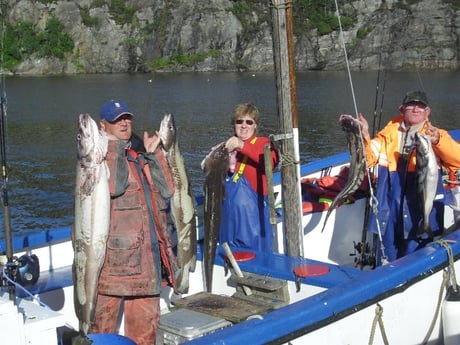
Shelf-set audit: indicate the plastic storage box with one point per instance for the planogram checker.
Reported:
(181, 325)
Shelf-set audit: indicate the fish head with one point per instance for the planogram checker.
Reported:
(85, 135)
(349, 123)
(91, 142)
(217, 160)
(422, 143)
(167, 131)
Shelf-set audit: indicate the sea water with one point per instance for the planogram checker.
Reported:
(42, 112)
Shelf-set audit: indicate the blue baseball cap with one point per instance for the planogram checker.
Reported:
(112, 110)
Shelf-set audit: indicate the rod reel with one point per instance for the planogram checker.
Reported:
(24, 270)
(364, 255)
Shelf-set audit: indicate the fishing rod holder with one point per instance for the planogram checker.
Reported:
(252, 287)
(266, 290)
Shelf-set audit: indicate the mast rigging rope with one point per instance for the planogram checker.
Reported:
(372, 199)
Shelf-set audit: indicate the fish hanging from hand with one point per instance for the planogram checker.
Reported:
(215, 166)
(358, 166)
(92, 218)
(182, 203)
(426, 170)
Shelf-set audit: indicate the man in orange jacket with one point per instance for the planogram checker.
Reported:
(399, 212)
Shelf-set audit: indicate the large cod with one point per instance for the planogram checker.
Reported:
(182, 203)
(92, 217)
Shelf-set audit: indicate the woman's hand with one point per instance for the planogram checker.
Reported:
(234, 143)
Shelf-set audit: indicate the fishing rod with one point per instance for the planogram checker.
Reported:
(26, 269)
(376, 96)
(366, 255)
(381, 101)
(11, 266)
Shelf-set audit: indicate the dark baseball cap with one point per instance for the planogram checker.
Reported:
(113, 109)
(415, 96)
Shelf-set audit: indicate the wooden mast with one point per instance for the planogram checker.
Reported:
(283, 55)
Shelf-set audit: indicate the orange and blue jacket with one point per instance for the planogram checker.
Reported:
(398, 204)
(384, 149)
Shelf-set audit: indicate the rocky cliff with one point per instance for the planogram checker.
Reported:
(206, 35)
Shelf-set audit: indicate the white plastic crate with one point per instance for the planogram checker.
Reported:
(182, 325)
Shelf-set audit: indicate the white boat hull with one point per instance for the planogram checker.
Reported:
(338, 307)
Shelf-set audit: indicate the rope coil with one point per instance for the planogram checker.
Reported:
(288, 159)
(448, 275)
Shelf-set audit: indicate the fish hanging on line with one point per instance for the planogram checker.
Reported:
(182, 203)
(358, 166)
(92, 218)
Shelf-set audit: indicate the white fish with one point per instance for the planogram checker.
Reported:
(182, 204)
(92, 217)
(427, 179)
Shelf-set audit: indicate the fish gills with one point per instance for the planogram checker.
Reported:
(182, 204)
(351, 127)
(215, 166)
(92, 217)
(427, 179)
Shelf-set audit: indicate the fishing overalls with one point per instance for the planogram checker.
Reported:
(138, 247)
(399, 213)
(245, 213)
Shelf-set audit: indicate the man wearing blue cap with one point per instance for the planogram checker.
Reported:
(138, 246)
(400, 213)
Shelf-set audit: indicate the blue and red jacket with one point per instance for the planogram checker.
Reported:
(254, 165)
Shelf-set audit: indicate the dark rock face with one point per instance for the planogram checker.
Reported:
(418, 36)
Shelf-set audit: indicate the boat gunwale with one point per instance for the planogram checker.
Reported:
(337, 302)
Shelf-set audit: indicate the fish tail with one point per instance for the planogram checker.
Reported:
(182, 280)
(424, 228)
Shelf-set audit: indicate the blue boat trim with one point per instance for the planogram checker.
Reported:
(282, 267)
(37, 239)
(287, 323)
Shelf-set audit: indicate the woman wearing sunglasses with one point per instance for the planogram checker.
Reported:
(245, 215)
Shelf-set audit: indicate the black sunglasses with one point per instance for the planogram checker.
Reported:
(248, 122)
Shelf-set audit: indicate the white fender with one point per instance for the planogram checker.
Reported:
(451, 317)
